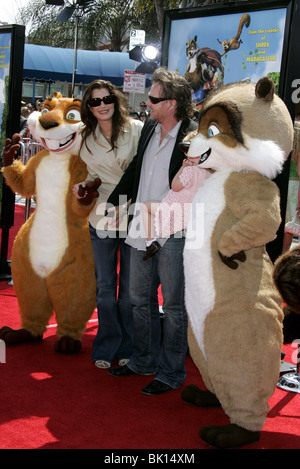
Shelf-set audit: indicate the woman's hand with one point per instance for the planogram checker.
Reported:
(86, 191)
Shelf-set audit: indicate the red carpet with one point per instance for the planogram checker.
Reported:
(50, 401)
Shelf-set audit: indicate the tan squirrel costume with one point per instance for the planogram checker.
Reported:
(52, 259)
(235, 317)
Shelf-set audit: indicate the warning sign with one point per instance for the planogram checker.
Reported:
(134, 82)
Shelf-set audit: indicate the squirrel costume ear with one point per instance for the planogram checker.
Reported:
(265, 89)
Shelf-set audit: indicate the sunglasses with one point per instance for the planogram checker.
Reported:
(154, 100)
(94, 102)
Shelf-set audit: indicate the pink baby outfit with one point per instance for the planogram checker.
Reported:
(173, 212)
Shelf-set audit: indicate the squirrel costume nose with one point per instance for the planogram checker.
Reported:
(46, 124)
(184, 147)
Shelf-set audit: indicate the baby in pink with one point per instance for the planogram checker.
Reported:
(162, 219)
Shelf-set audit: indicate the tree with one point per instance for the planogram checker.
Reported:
(100, 22)
(160, 5)
(113, 19)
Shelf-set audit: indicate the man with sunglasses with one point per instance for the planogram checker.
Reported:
(149, 177)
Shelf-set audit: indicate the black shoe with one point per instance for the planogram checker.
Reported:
(151, 250)
(156, 387)
(121, 371)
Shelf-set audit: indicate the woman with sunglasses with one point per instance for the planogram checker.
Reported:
(109, 142)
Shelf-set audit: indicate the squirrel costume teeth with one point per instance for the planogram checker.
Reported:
(235, 313)
(52, 259)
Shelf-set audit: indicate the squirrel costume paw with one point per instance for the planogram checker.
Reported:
(231, 261)
(195, 396)
(227, 436)
(10, 149)
(17, 336)
(89, 191)
(67, 345)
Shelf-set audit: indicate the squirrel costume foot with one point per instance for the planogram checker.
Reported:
(227, 436)
(67, 345)
(17, 336)
(197, 397)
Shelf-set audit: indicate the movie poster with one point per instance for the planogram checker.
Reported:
(222, 49)
(5, 47)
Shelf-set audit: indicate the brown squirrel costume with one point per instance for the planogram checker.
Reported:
(52, 259)
(235, 312)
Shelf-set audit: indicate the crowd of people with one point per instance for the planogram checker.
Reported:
(142, 114)
(26, 110)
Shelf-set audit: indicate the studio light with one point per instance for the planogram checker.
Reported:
(149, 55)
(55, 2)
(150, 52)
(65, 14)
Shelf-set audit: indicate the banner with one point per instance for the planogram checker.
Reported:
(12, 40)
(221, 49)
(220, 44)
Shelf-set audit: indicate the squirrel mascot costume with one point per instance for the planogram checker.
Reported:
(235, 313)
(52, 260)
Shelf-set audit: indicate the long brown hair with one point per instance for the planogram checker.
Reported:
(119, 118)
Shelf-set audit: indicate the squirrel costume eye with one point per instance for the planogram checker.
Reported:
(44, 111)
(73, 115)
(213, 130)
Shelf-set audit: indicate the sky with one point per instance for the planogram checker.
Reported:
(9, 9)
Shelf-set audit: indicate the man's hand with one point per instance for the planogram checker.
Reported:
(10, 149)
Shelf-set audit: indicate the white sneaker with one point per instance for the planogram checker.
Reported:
(123, 361)
(102, 364)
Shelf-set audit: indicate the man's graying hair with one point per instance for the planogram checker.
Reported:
(175, 87)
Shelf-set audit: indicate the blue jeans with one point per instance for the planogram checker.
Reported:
(155, 351)
(115, 323)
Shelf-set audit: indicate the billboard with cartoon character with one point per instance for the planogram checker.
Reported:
(222, 49)
(229, 42)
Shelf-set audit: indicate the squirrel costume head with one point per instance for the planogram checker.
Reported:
(57, 126)
(243, 126)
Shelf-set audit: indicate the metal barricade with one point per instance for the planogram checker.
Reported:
(28, 148)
